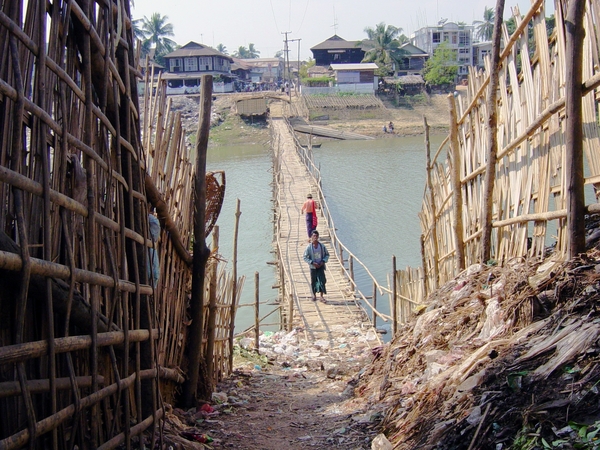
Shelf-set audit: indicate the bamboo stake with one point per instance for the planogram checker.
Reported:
(212, 312)
(573, 130)
(201, 251)
(256, 313)
(456, 188)
(394, 298)
(434, 237)
(233, 307)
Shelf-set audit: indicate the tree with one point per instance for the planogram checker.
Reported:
(155, 32)
(222, 49)
(241, 52)
(485, 27)
(278, 54)
(304, 69)
(383, 47)
(252, 52)
(441, 69)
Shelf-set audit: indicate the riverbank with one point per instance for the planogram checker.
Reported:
(230, 129)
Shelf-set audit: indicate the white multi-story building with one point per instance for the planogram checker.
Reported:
(458, 37)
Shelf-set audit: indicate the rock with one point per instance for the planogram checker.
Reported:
(381, 443)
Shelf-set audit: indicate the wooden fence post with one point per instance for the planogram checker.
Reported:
(291, 313)
(456, 188)
(374, 305)
(573, 130)
(433, 231)
(394, 298)
(212, 314)
(201, 251)
(492, 139)
(256, 312)
(234, 287)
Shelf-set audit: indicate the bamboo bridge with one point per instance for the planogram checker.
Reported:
(341, 311)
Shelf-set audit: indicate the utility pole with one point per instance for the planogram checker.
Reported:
(286, 62)
(298, 81)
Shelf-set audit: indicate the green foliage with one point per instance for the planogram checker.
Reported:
(222, 49)
(154, 33)
(485, 27)
(383, 47)
(574, 436)
(246, 53)
(304, 69)
(442, 68)
(317, 81)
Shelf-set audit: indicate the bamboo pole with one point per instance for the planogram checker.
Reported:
(291, 313)
(201, 251)
(212, 314)
(434, 239)
(394, 298)
(256, 313)
(492, 138)
(573, 130)
(374, 305)
(456, 188)
(233, 308)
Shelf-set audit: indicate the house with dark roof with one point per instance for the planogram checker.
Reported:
(187, 64)
(337, 50)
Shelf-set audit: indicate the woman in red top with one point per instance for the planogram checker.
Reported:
(310, 208)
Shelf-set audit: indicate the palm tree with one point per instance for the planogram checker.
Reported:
(222, 49)
(155, 30)
(252, 52)
(383, 46)
(485, 27)
(241, 52)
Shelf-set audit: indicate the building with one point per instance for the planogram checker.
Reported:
(265, 70)
(337, 50)
(413, 60)
(480, 50)
(186, 65)
(458, 37)
(357, 77)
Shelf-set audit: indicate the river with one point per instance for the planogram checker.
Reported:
(374, 190)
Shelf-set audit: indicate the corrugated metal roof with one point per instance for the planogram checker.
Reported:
(336, 42)
(194, 49)
(356, 66)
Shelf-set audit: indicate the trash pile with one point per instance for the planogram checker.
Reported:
(501, 357)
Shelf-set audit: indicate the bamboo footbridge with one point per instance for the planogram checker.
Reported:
(340, 311)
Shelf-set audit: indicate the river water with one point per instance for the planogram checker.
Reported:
(374, 191)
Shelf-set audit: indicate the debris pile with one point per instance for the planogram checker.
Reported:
(502, 357)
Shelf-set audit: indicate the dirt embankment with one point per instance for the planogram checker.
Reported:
(229, 129)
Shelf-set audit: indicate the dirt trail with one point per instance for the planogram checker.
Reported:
(297, 399)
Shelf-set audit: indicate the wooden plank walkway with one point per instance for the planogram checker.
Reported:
(332, 319)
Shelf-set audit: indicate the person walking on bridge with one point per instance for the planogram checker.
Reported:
(316, 255)
(310, 209)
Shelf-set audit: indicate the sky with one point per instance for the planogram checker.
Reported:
(265, 23)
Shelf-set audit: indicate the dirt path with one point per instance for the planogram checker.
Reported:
(299, 401)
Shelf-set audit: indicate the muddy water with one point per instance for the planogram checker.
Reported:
(373, 188)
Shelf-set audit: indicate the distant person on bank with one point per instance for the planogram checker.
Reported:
(310, 209)
(316, 255)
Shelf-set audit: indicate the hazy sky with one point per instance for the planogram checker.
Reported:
(235, 23)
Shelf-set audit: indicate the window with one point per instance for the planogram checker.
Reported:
(464, 51)
(205, 63)
(175, 65)
(454, 38)
(464, 38)
(191, 64)
(436, 38)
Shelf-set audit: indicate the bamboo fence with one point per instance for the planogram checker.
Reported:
(90, 346)
(529, 193)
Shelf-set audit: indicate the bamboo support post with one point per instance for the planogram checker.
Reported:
(256, 313)
(394, 298)
(234, 293)
(374, 305)
(212, 314)
(456, 188)
(434, 238)
(290, 323)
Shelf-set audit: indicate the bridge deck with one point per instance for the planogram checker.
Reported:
(333, 318)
